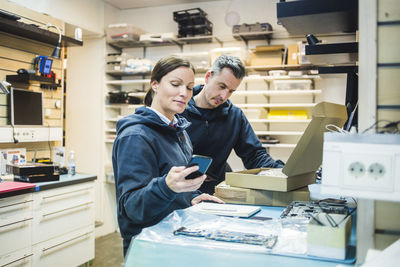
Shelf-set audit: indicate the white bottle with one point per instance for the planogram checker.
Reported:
(71, 163)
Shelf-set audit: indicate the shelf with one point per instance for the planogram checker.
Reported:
(109, 141)
(112, 120)
(248, 36)
(35, 33)
(137, 94)
(280, 105)
(118, 106)
(277, 121)
(279, 145)
(277, 133)
(31, 78)
(30, 134)
(111, 130)
(137, 44)
(280, 67)
(334, 53)
(278, 92)
(281, 77)
(124, 73)
(141, 81)
(199, 39)
(127, 82)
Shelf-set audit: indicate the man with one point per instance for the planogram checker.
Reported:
(218, 126)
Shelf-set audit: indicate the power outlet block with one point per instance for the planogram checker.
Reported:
(362, 165)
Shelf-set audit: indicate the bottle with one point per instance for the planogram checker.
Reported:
(71, 163)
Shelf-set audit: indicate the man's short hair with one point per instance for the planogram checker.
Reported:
(231, 62)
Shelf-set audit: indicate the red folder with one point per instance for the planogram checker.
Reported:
(9, 186)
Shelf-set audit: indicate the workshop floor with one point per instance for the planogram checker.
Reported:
(108, 251)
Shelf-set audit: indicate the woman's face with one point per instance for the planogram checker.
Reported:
(173, 92)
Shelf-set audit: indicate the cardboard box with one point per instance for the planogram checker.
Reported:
(273, 182)
(293, 54)
(266, 55)
(238, 195)
(11, 156)
(327, 241)
(305, 159)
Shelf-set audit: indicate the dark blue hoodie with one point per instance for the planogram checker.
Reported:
(226, 128)
(144, 151)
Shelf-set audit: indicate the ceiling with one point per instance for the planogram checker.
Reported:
(128, 4)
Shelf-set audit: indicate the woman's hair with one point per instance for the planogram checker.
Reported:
(162, 68)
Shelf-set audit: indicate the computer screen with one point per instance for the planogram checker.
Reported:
(26, 107)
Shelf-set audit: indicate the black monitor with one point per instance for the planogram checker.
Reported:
(25, 107)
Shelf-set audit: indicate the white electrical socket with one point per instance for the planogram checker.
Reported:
(368, 168)
(365, 166)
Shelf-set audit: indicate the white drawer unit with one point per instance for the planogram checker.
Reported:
(20, 258)
(16, 215)
(52, 227)
(62, 210)
(68, 250)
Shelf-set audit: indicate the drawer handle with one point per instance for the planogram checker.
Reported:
(66, 243)
(72, 209)
(8, 224)
(20, 259)
(14, 204)
(79, 191)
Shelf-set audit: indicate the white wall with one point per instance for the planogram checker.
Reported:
(86, 14)
(160, 19)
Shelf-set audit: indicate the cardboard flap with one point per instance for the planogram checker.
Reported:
(307, 155)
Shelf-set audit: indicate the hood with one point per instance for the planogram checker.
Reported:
(221, 110)
(149, 118)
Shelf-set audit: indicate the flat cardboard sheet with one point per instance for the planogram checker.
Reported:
(239, 195)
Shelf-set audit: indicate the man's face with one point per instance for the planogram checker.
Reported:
(219, 87)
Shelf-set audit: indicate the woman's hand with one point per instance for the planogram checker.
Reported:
(176, 179)
(206, 197)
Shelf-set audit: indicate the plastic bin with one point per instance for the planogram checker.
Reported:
(190, 16)
(291, 85)
(123, 32)
(200, 60)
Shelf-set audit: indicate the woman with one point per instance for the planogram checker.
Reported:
(151, 150)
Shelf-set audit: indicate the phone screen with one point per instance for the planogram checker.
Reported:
(203, 162)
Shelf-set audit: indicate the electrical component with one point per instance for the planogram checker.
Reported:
(362, 165)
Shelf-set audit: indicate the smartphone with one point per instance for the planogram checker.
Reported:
(203, 162)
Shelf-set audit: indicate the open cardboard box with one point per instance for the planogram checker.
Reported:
(305, 159)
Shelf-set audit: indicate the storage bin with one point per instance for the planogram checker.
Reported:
(291, 85)
(123, 32)
(134, 99)
(117, 97)
(239, 52)
(287, 115)
(277, 73)
(255, 113)
(190, 16)
(200, 60)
